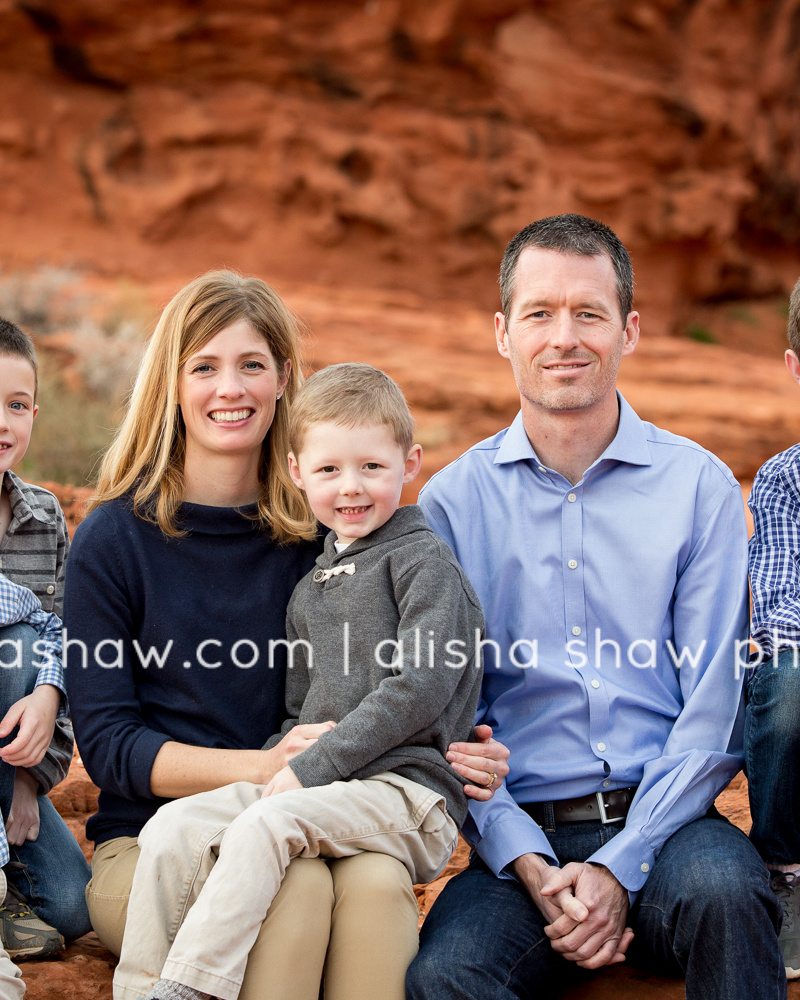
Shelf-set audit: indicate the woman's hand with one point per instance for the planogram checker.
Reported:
(284, 781)
(23, 816)
(300, 738)
(483, 763)
(36, 717)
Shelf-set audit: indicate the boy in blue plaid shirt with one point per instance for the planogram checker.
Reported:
(772, 729)
(43, 873)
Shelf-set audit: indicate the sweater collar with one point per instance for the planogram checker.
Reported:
(200, 519)
(402, 522)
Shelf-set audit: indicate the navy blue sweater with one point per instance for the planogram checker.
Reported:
(132, 592)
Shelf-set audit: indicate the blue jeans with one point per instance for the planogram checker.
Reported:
(51, 871)
(706, 912)
(772, 758)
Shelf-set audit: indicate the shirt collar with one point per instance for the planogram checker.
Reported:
(629, 444)
(24, 501)
(404, 520)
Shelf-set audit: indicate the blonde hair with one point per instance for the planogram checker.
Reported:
(146, 457)
(351, 395)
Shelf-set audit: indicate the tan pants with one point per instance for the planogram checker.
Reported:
(211, 865)
(352, 922)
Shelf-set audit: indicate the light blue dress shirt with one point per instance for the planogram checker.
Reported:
(603, 587)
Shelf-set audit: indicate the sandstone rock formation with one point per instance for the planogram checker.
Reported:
(399, 143)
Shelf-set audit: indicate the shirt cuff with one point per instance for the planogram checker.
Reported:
(314, 767)
(52, 676)
(55, 678)
(628, 857)
(508, 840)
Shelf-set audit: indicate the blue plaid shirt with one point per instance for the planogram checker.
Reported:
(775, 552)
(18, 605)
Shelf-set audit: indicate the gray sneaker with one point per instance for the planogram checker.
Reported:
(23, 934)
(786, 886)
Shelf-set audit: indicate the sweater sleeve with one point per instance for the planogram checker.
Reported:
(116, 744)
(434, 608)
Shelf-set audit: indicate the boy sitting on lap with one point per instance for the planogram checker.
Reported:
(384, 643)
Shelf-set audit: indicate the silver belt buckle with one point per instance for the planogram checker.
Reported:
(603, 814)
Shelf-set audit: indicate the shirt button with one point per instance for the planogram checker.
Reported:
(542, 468)
(51, 589)
(576, 630)
(606, 783)
(601, 747)
(645, 867)
(595, 684)
(571, 497)
(573, 564)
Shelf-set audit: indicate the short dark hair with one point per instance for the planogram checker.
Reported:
(576, 234)
(794, 319)
(16, 344)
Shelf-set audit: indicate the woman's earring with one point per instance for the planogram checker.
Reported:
(278, 396)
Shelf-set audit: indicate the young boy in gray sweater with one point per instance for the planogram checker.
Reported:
(384, 643)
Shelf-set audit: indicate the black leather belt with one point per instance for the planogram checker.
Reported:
(602, 807)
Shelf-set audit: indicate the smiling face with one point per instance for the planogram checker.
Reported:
(17, 409)
(565, 337)
(352, 476)
(227, 392)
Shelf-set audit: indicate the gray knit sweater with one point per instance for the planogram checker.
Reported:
(405, 592)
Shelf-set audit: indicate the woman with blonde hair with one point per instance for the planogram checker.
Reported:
(176, 594)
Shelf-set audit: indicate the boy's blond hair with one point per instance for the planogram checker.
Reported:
(794, 320)
(351, 395)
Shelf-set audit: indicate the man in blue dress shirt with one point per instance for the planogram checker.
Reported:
(611, 560)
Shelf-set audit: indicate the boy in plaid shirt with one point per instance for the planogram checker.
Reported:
(772, 729)
(41, 861)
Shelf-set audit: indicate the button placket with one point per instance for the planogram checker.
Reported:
(574, 597)
(577, 627)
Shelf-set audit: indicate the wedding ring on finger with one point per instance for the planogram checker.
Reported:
(492, 779)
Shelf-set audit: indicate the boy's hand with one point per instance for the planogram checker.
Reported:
(300, 738)
(477, 762)
(23, 817)
(284, 781)
(36, 717)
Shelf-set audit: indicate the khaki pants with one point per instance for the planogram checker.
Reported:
(210, 910)
(352, 922)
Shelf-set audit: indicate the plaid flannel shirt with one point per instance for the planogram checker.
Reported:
(775, 553)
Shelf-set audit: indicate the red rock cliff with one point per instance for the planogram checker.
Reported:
(399, 143)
